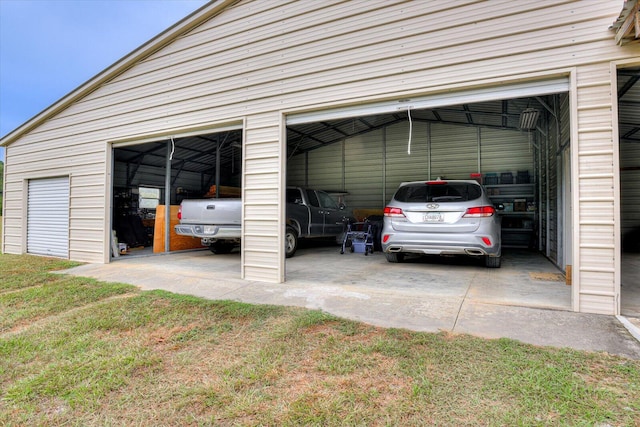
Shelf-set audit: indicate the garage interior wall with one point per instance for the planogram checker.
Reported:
(371, 166)
(630, 184)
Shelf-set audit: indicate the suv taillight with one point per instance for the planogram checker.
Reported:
(479, 212)
(179, 212)
(393, 212)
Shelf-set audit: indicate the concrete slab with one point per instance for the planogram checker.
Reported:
(548, 328)
(526, 299)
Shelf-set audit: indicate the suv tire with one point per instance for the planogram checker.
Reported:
(394, 256)
(492, 261)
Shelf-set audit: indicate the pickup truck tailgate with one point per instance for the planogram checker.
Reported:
(212, 211)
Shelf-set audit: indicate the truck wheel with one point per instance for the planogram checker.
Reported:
(290, 242)
(221, 247)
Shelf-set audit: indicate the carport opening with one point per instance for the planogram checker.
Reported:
(148, 175)
(518, 148)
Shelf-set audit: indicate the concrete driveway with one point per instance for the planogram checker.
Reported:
(527, 299)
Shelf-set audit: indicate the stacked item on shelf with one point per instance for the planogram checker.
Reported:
(506, 178)
(490, 178)
(522, 177)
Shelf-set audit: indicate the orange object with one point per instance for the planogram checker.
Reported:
(225, 192)
(176, 242)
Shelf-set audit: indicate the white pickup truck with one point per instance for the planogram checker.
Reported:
(217, 222)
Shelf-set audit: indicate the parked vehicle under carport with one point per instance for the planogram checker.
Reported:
(442, 218)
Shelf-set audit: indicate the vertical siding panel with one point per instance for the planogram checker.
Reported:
(597, 203)
(262, 217)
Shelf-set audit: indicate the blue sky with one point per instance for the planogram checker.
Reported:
(50, 47)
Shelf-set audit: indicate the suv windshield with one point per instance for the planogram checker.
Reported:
(438, 192)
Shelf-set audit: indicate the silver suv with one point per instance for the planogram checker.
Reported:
(441, 218)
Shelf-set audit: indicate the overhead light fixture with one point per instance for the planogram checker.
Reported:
(529, 118)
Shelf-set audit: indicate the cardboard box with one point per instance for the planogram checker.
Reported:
(520, 205)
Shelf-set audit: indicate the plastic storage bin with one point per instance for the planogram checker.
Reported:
(506, 178)
(523, 177)
(490, 179)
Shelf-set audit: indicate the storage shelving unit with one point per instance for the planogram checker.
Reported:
(519, 215)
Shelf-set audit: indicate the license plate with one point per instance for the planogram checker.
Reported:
(433, 217)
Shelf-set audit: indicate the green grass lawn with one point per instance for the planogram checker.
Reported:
(76, 351)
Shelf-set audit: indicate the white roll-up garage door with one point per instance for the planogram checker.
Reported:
(48, 217)
(463, 96)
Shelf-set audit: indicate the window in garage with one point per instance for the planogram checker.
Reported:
(521, 160)
(148, 175)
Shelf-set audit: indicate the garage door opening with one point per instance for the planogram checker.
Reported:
(151, 176)
(629, 137)
(517, 146)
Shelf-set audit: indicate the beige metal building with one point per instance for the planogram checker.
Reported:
(354, 96)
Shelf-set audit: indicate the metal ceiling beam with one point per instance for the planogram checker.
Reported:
(401, 119)
(334, 128)
(628, 85)
(505, 111)
(468, 114)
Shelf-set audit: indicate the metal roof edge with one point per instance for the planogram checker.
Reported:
(191, 21)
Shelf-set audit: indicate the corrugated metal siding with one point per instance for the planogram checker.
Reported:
(503, 147)
(597, 203)
(206, 79)
(553, 166)
(454, 151)
(374, 164)
(325, 168)
(364, 164)
(400, 166)
(630, 186)
(262, 222)
(629, 166)
(296, 170)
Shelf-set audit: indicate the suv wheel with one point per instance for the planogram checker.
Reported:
(394, 256)
(492, 262)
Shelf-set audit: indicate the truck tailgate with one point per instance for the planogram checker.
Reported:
(212, 211)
